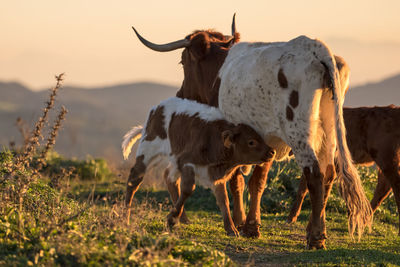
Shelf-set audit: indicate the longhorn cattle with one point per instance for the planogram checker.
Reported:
(373, 136)
(201, 83)
(198, 143)
(279, 89)
(203, 55)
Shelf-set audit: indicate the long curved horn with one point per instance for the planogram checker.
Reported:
(233, 25)
(163, 47)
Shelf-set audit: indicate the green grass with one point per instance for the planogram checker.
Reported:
(83, 223)
(283, 243)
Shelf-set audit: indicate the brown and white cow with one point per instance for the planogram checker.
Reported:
(199, 145)
(196, 80)
(203, 55)
(279, 89)
(373, 136)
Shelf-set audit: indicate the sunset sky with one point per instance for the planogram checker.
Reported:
(92, 41)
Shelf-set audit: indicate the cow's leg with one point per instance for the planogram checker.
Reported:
(329, 177)
(326, 153)
(303, 190)
(134, 181)
(236, 185)
(382, 190)
(301, 194)
(393, 176)
(316, 231)
(256, 187)
(223, 203)
(392, 173)
(306, 158)
(187, 188)
(174, 190)
(396, 191)
(388, 160)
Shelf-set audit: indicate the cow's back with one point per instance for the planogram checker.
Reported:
(370, 129)
(200, 142)
(262, 84)
(193, 129)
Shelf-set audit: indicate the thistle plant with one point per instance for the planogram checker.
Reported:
(20, 169)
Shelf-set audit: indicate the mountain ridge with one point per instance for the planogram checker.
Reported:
(99, 117)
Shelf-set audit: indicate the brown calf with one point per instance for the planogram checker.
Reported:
(373, 136)
(199, 145)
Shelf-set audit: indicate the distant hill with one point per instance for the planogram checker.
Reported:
(99, 117)
(381, 93)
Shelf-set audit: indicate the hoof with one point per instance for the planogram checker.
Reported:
(239, 223)
(316, 242)
(171, 221)
(291, 219)
(251, 230)
(232, 232)
(319, 245)
(240, 227)
(184, 220)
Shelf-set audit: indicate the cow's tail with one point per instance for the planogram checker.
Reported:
(351, 189)
(130, 139)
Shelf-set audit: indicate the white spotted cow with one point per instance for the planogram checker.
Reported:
(280, 90)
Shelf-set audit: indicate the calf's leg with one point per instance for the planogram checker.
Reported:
(382, 191)
(256, 188)
(393, 176)
(236, 185)
(187, 188)
(174, 190)
(329, 177)
(134, 181)
(301, 194)
(223, 203)
(388, 160)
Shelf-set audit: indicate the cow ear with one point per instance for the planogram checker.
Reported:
(227, 137)
(199, 45)
(235, 39)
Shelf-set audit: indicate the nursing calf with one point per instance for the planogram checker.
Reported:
(199, 144)
(373, 136)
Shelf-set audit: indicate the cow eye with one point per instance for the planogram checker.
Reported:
(252, 143)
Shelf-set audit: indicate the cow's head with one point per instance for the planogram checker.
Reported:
(203, 55)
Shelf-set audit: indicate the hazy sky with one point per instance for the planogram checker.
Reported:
(92, 40)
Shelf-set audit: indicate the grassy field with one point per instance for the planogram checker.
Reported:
(82, 222)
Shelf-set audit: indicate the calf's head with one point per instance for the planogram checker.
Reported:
(246, 146)
(203, 55)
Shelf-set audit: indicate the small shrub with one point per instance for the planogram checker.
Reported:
(89, 169)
